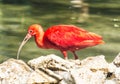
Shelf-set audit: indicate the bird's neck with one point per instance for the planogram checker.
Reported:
(39, 39)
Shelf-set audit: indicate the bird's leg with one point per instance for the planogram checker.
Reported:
(64, 54)
(75, 55)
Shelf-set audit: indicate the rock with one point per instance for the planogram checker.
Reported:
(86, 70)
(52, 69)
(40, 77)
(14, 71)
(93, 70)
(97, 63)
(116, 61)
(51, 62)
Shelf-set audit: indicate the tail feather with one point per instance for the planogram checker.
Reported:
(93, 36)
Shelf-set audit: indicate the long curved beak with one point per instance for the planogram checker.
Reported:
(27, 37)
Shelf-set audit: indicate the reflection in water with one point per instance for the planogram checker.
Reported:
(14, 20)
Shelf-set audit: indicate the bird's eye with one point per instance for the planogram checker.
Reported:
(30, 31)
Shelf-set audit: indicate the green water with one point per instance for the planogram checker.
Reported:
(15, 19)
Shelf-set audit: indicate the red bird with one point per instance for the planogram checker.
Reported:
(62, 37)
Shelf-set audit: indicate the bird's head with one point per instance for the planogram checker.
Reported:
(32, 31)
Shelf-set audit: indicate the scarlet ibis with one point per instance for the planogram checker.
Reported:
(62, 37)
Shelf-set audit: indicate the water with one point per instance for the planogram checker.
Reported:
(15, 19)
(11, 29)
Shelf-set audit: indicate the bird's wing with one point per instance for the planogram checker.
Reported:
(68, 36)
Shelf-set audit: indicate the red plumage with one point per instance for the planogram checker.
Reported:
(64, 38)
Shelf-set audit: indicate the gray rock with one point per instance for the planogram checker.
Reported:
(52, 69)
